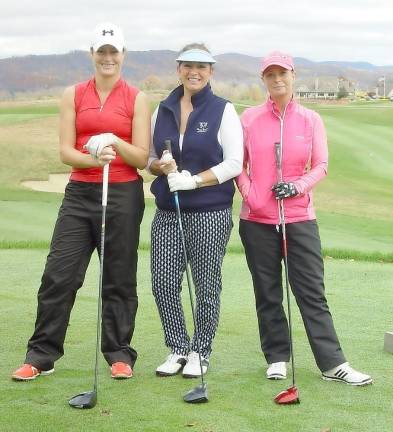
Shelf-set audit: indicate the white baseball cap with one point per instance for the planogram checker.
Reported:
(108, 34)
(196, 55)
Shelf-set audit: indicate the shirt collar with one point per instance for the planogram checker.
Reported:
(274, 108)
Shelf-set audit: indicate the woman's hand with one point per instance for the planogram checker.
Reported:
(167, 163)
(97, 143)
(284, 190)
(181, 181)
(107, 155)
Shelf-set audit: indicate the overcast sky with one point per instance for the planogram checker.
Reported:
(319, 30)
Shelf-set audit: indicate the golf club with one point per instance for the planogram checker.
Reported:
(199, 393)
(88, 399)
(290, 395)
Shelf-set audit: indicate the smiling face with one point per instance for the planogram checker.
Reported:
(194, 75)
(107, 61)
(279, 82)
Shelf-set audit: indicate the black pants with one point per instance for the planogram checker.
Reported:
(263, 247)
(76, 235)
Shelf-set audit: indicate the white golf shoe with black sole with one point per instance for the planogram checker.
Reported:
(173, 364)
(276, 371)
(346, 374)
(193, 369)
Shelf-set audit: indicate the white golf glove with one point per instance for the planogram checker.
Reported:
(167, 163)
(97, 142)
(166, 157)
(181, 181)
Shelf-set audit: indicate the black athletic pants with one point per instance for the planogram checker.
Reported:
(76, 235)
(263, 247)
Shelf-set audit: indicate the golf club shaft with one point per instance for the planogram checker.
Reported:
(105, 178)
(285, 256)
(168, 146)
(278, 155)
(281, 212)
(189, 283)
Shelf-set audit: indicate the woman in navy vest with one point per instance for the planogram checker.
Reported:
(207, 154)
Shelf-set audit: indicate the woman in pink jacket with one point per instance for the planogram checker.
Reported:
(300, 135)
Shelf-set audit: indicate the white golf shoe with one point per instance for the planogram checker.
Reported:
(277, 371)
(192, 369)
(172, 365)
(347, 375)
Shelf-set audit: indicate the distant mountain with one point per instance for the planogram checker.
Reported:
(42, 72)
(356, 65)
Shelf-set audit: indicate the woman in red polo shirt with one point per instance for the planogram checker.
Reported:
(114, 118)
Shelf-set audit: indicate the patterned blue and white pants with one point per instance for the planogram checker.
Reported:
(206, 237)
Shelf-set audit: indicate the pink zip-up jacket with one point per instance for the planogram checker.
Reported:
(302, 135)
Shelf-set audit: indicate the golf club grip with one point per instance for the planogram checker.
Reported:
(168, 145)
(105, 179)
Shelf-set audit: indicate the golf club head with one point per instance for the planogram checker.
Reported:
(288, 397)
(197, 395)
(85, 400)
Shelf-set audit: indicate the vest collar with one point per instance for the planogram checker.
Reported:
(197, 99)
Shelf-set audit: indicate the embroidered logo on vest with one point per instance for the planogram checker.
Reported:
(203, 127)
(104, 32)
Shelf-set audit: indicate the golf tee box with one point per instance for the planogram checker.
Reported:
(388, 344)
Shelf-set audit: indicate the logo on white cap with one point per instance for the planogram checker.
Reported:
(108, 34)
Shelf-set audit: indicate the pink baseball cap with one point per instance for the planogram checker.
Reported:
(277, 58)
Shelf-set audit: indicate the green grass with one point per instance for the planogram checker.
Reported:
(354, 209)
(354, 203)
(33, 221)
(20, 114)
(8, 119)
(240, 397)
(34, 109)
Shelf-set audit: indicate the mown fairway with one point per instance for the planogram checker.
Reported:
(354, 203)
(241, 399)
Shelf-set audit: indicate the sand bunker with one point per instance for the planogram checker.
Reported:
(55, 183)
(58, 182)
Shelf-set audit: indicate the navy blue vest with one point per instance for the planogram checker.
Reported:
(200, 150)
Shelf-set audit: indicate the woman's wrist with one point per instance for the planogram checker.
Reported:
(198, 181)
(117, 142)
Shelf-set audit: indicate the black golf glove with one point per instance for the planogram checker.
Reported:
(284, 190)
